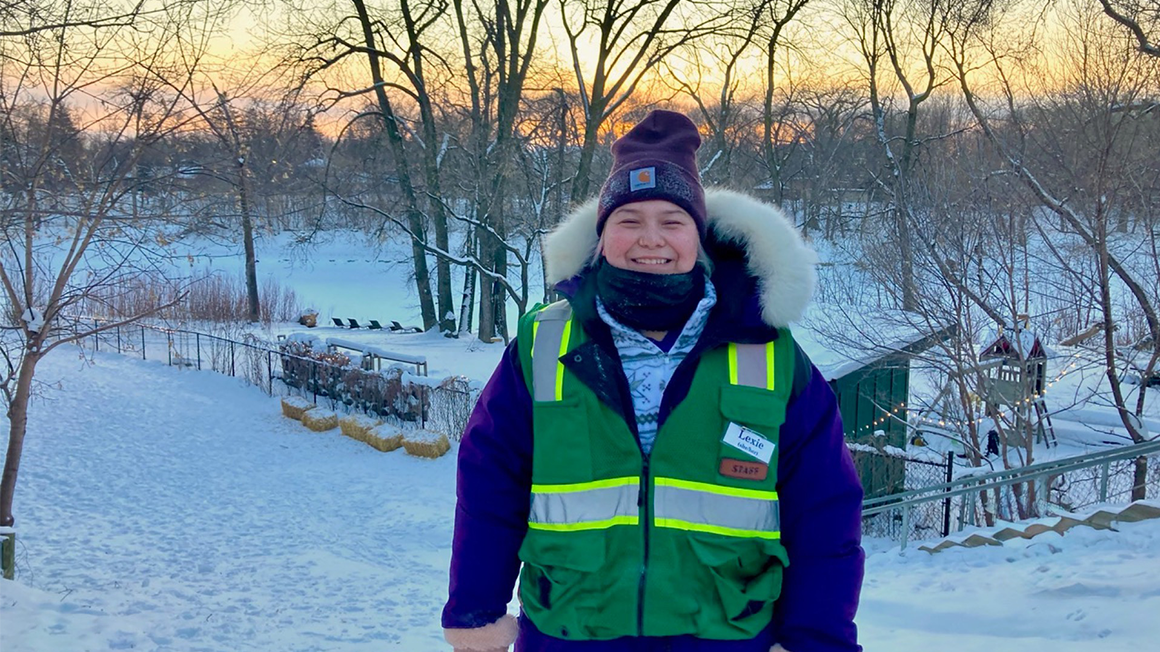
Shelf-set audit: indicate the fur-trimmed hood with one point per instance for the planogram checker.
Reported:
(775, 255)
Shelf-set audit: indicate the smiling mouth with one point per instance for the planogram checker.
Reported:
(652, 261)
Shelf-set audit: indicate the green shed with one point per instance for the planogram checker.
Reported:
(868, 367)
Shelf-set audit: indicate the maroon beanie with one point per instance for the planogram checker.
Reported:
(655, 160)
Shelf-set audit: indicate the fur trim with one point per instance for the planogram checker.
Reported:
(776, 254)
(778, 648)
(497, 636)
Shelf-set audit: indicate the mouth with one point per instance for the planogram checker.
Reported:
(652, 261)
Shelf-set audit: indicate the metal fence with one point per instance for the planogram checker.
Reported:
(443, 407)
(1050, 488)
(888, 472)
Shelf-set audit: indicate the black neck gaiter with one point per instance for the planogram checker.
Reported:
(649, 302)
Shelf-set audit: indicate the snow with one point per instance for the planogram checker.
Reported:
(1086, 590)
(367, 349)
(33, 319)
(170, 509)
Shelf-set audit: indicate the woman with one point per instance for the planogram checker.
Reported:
(664, 461)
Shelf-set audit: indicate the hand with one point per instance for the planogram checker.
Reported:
(496, 637)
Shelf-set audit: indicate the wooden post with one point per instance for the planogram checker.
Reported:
(8, 552)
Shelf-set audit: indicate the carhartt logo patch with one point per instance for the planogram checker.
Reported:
(743, 470)
(642, 178)
(749, 441)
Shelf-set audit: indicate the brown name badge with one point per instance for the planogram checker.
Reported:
(743, 470)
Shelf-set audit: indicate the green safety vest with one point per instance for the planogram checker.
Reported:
(687, 541)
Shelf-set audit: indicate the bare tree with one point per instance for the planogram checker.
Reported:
(20, 19)
(630, 38)
(498, 47)
(899, 41)
(71, 235)
(394, 47)
(1078, 147)
(1141, 18)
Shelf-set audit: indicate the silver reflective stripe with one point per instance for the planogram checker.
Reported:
(727, 511)
(551, 324)
(753, 364)
(586, 506)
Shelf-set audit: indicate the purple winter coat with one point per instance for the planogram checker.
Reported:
(820, 495)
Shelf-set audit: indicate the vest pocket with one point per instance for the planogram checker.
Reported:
(746, 574)
(562, 450)
(758, 408)
(557, 586)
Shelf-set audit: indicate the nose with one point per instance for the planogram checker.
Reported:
(650, 236)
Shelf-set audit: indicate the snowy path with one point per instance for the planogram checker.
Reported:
(175, 510)
(186, 501)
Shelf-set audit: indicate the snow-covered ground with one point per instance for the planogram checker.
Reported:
(169, 509)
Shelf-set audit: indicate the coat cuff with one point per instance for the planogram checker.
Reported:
(500, 634)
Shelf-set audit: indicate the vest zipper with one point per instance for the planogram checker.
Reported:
(646, 518)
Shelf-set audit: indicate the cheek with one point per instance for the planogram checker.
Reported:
(688, 246)
(614, 247)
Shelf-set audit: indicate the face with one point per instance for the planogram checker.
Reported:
(654, 236)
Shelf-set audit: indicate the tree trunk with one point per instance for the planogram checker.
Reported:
(446, 307)
(253, 309)
(581, 185)
(395, 139)
(422, 275)
(18, 425)
(467, 303)
(443, 275)
(487, 289)
(1140, 479)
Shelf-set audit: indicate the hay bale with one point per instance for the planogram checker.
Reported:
(385, 437)
(357, 426)
(320, 420)
(424, 443)
(296, 406)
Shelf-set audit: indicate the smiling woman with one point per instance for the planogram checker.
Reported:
(626, 459)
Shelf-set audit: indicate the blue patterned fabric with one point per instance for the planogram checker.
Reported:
(649, 368)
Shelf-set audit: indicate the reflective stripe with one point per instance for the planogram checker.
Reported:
(586, 505)
(752, 365)
(703, 507)
(550, 335)
(559, 394)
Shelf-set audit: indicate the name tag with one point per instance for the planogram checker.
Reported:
(748, 441)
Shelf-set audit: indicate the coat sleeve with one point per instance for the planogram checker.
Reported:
(820, 499)
(493, 496)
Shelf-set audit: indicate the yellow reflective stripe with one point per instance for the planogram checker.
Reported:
(587, 525)
(769, 360)
(535, 334)
(584, 486)
(716, 489)
(560, 366)
(732, 363)
(676, 524)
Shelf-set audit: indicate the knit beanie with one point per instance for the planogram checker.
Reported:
(656, 159)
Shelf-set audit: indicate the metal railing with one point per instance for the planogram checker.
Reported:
(445, 407)
(1068, 484)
